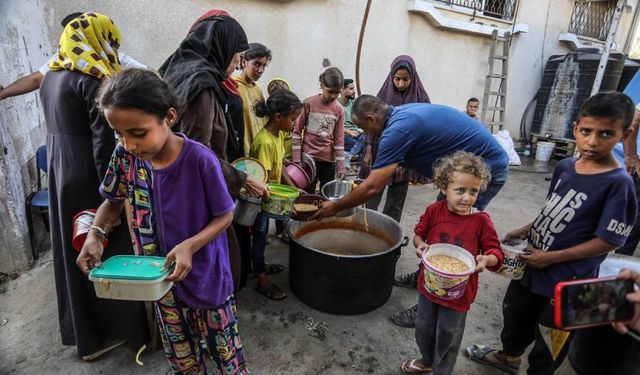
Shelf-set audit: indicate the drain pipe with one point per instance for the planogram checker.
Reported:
(613, 28)
(632, 30)
(360, 40)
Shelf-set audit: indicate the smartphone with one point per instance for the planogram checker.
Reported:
(592, 302)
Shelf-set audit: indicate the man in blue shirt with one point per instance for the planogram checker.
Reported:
(415, 136)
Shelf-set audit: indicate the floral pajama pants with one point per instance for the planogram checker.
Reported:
(190, 334)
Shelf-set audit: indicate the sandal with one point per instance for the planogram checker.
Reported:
(284, 237)
(413, 366)
(272, 292)
(490, 356)
(272, 269)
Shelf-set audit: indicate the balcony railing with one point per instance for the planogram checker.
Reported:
(592, 18)
(504, 9)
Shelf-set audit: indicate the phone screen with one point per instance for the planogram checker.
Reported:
(596, 302)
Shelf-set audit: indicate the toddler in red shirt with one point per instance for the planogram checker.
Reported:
(440, 322)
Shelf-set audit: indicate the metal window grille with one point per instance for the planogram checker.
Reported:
(592, 18)
(504, 9)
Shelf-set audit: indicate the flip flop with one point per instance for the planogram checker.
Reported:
(272, 269)
(272, 292)
(487, 355)
(411, 367)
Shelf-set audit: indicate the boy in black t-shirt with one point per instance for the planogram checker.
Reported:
(590, 210)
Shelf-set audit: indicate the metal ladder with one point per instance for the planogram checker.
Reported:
(494, 100)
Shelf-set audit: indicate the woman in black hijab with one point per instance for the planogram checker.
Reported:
(197, 71)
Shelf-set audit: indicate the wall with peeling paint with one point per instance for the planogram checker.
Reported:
(24, 46)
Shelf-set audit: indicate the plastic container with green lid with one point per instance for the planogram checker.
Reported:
(131, 277)
(280, 201)
(285, 191)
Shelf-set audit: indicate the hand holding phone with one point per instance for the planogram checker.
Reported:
(593, 302)
(633, 324)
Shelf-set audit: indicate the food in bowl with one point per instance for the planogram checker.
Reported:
(446, 270)
(305, 207)
(448, 264)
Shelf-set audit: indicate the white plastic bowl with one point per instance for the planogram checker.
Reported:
(443, 284)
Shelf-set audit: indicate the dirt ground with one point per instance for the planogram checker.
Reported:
(273, 333)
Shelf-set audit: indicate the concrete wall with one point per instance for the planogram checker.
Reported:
(301, 33)
(25, 45)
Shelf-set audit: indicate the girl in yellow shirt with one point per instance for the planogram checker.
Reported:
(281, 109)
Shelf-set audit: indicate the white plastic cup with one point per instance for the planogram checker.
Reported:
(544, 150)
(513, 267)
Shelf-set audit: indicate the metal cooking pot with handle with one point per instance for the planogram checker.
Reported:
(336, 266)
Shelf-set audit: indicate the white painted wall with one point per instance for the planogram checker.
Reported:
(301, 33)
(452, 65)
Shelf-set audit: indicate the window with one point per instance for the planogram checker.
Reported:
(592, 18)
(504, 9)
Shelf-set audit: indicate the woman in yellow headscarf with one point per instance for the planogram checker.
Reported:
(79, 146)
(89, 44)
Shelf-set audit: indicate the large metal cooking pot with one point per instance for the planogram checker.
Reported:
(337, 267)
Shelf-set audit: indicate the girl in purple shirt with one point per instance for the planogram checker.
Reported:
(180, 209)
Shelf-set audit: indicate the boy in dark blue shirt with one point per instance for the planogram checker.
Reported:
(590, 210)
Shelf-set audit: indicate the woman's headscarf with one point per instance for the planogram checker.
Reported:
(211, 13)
(89, 44)
(229, 84)
(201, 60)
(415, 93)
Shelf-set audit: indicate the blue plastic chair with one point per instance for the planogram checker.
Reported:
(38, 199)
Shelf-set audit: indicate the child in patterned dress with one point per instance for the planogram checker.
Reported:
(180, 209)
